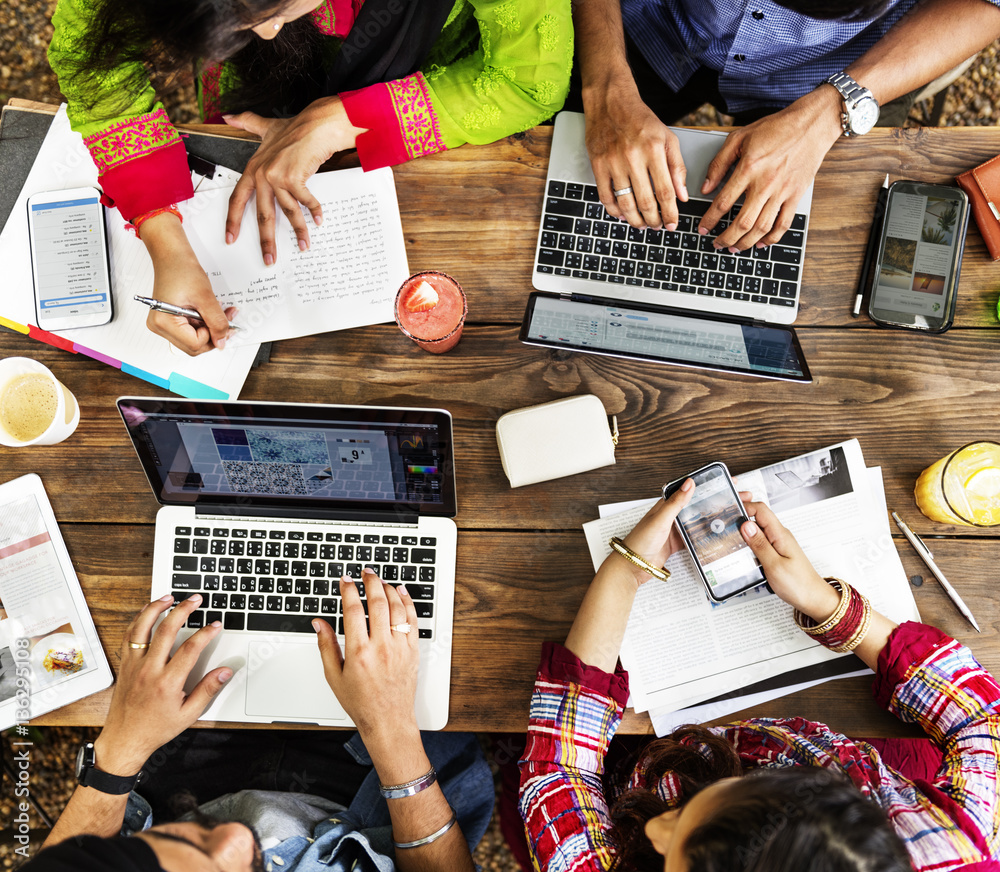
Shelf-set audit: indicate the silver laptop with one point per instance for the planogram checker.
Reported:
(266, 506)
(583, 250)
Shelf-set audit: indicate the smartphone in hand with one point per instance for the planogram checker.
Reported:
(710, 525)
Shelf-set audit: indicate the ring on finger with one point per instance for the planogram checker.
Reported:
(138, 645)
(621, 192)
(404, 628)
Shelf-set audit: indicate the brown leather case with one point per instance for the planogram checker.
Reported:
(982, 184)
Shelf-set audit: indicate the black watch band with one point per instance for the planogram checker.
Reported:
(89, 775)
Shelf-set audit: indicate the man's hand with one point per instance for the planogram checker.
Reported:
(149, 706)
(630, 147)
(375, 677)
(179, 279)
(291, 151)
(775, 160)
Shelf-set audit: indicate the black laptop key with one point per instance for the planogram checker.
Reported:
(345, 552)
(603, 247)
(272, 549)
(220, 600)
(407, 573)
(424, 610)
(212, 617)
(601, 229)
(317, 569)
(226, 564)
(334, 537)
(699, 277)
(238, 601)
(752, 285)
(293, 604)
(265, 585)
(335, 570)
(218, 546)
(291, 550)
(786, 272)
(327, 552)
(390, 572)
(768, 288)
(255, 602)
(560, 206)
(199, 546)
(422, 555)
(248, 584)
(297, 534)
(673, 256)
(230, 582)
(255, 549)
(279, 567)
(763, 269)
(258, 534)
(744, 297)
(567, 242)
(279, 623)
(654, 237)
(186, 582)
(662, 273)
(353, 570)
(300, 568)
(724, 294)
(363, 552)
(321, 586)
(186, 564)
(557, 189)
(799, 221)
(757, 298)
(632, 280)
(705, 292)
(352, 537)
(706, 243)
(309, 551)
(574, 190)
(244, 566)
(689, 241)
(382, 554)
(787, 291)
(310, 605)
(609, 265)
(234, 621)
(717, 280)
(424, 634)
(619, 249)
(734, 282)
(196, 619)
(780, 301)
(212, 582)
(207, 564)
(626, 267)
(786, 254)
(636, 235)
(220, 532)
(420, 591)
(283, 585)
(590, 194)
(427, 573)
(792, 237)
(400, 555)
(328, 606)
(182, 546)
(644, 270)
(619, 231)
(262, 567)
(303, 585)
(182, 531)
(584, 245)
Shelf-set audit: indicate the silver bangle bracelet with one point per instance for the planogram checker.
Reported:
(432, 837)
(398, 791)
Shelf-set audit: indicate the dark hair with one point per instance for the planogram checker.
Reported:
(773, 820)
(837, 10)
(165, 38)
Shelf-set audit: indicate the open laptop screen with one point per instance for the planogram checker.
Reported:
(310, 457)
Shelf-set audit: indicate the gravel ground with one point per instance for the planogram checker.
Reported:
(25, 32)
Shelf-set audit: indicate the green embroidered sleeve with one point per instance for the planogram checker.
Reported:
(514, 76)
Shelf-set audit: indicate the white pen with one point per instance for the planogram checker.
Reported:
(924, 553)
(171, 309)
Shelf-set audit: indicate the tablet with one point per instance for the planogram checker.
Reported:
(678, 337)
(49, 651)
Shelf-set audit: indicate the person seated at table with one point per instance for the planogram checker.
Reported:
(395, 79)
(428, 799)
(763, 794)
(647, 63)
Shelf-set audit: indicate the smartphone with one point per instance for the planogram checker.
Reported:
(710, 525)
(919, 257)
(69, 259)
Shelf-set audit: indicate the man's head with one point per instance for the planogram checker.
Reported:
(175, 847)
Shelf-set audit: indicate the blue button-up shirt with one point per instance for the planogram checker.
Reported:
(765, 54)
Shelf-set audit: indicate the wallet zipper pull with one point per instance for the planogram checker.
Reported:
(614, 430)
(993, 209)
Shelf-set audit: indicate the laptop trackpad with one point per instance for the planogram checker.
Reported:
(286, 683)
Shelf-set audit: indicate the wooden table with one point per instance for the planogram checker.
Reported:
(522, 562)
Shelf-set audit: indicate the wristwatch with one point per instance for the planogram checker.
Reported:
(860, 107)
(89, 775)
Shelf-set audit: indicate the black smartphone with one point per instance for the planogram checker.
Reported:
(919, 257)
(710, 525)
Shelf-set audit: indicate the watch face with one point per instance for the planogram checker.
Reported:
(81, 758)
(863, 116)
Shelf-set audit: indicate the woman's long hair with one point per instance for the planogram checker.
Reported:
(773, 820)
(165, 37)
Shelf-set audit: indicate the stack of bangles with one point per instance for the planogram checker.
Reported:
(845, 629)
(617, 544)
(412, 788)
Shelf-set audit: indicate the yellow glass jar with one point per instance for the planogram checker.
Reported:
(962, 488)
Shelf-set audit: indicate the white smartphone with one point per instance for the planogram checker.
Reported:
(69, 259)
(710, 525)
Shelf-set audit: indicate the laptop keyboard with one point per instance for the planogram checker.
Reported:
(279, 580)
(580, 239)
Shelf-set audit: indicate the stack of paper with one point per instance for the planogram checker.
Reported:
(681, 650)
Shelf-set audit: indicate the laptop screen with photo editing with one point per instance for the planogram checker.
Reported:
(310, 457)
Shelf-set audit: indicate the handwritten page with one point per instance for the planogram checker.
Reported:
(680, 650)
(347, 278)
(63, 162)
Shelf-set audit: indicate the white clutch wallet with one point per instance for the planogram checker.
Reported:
(555, 439)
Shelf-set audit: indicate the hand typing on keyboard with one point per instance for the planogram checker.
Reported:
(774, 160)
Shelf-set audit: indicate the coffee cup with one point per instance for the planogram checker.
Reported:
(35, 407)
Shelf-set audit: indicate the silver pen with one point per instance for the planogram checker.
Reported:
(924, 553)
(171, 309)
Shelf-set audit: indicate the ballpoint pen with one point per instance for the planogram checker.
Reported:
(171, 309)
(924, 553)
(873, 237)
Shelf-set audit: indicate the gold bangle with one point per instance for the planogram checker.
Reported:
(859, 634)
(618, 545)
(846, 592)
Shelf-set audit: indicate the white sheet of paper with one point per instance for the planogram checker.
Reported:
(64, 162)
(348, 278)
(679, 650)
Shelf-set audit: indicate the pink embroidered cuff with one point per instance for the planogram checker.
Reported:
(400, 120)
(149, 183)
(561, 664)
(909, 644)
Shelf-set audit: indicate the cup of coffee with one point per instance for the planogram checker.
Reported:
(35, 407)
(430, 309)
